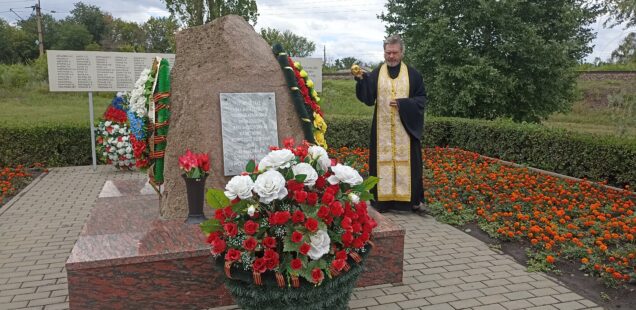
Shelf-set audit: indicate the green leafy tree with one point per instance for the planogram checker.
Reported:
(294, 45)
(621, 11)
(92, 18)
(346, 63)
(626, 51)
(124, 36)
(16, 45)
(49, 26)
(160, 34)
(198, 12)
(72, 36)
(490, 59)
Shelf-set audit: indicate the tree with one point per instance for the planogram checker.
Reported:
(294, 45)
(346, 63)
(626, 51)
(160, 34)
(124, 36)
(15, 44)
(49, 25)
(621, 11)
(490, 59)
(198, 12)
(92, 18)
(72, 36)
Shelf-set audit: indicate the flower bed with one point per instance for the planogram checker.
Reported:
(560, 219)
(14, 179)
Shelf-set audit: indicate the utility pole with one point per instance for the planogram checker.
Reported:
(38, 14)
(324, 54)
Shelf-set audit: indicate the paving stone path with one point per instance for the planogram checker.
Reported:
(444, 268)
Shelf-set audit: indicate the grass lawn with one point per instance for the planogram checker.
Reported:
(37, 105)
(590, 114)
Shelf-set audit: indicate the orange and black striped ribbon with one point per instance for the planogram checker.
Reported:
(333, 271)
(227, 269)
(257, 278)
(356, 257)
(162, 124)
(159, 96)
(157, 154)
(346, 267)
(295, 282)
(280, 280)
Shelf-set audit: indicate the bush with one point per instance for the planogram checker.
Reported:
(15, 76)
(574, 154)
(62, 145)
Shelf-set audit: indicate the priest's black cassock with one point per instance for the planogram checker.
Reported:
(411, 117)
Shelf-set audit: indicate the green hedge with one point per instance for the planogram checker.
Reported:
(61, 145)
(569, 153)
(574, 154)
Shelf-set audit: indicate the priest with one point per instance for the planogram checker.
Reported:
(395, 151)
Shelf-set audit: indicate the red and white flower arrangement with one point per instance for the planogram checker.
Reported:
(297, 214)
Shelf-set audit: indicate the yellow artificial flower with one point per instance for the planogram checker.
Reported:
(310, 83)
(320, 139)
(319, 123)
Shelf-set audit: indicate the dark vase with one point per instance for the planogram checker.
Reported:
(196, 195)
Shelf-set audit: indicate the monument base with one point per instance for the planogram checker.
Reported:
(127, 257)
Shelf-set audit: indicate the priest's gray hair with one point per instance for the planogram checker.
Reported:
(394, 39)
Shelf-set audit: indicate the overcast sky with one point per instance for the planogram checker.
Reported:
(344, 28)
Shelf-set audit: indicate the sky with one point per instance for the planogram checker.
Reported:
(341, 28)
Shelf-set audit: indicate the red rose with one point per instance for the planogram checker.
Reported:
(219, 246)
(269, 242)
(232, 255)
(365, 236)
(259, 265)
(347, 238)
(321, 182)
(213, 236)
(338, 264)
(231, 229)
(336, 208)
(323, 212)
(328, 220)
(250, 243)
(317, 275)
(298, 217)
(333, 189)
(228, 212)
(346, 223)
(219, 215)
(301, 151)
(341, 255)
(296, 264)
(327, 198)
(300, 196)
(250, 227)
(296, 237)
(270, 255)
(293, 186)
(357, 243)
(312, 198)
(304, 248)
(311, 224)
(281, 217)
(356, 227)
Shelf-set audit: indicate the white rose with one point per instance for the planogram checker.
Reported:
(107, 123)
(318, 153)
(344, 174)
(320, 244)
(122, 131)
(354, 198)
(270, 186)
(276, 159)
(308, 170)
(239, 186)
(120, 144)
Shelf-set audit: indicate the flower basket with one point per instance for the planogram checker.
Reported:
(291, 232)
(332, 293)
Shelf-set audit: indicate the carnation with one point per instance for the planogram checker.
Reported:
(270, 185)
(308, 171)
(277, 159)
(239, 186)
(345, 174)
(319, 154)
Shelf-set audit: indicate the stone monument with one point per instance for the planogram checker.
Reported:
(225, 56)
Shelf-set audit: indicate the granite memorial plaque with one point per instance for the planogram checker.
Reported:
(248, 125)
